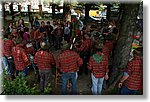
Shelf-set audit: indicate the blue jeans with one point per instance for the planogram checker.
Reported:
(22, 73)
(10, 69)
(65, 78)
(45, 76)
(97, 84)
(125, 91)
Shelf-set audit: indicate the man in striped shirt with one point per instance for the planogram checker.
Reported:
(45, 62)
(69, 62)
(21, 59)
(8, 45)
(132, 80)
(98, 64)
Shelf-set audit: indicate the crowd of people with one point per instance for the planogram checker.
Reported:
(84, 50)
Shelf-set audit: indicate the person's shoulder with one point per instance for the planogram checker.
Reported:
(13, 48)
(50, 53)
(74, 53)
(39, 51)
(21, 49)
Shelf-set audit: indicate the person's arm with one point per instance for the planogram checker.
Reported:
(35, 59)
(107, 69)
(90, 63)
(126, 74)
(52, 59)
(34, 35)
(125, 77)
(58, 62)
(25, 57)
(80, 61)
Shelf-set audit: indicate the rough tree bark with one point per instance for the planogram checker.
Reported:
(66, 9)
(53, 11)
(108, 11)
(12, 10)
(123, 48)
(87, 9)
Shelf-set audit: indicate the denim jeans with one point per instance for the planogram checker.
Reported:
(45, 76)
(125, 91)
(10, 69)
(22, 73)
(97, 84)
(37, 45)
(65, 78)
(58, 41)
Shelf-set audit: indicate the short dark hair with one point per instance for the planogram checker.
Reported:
(48, 22)
(42, 22)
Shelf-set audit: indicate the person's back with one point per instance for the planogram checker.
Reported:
(135, 72)
(36, 23)
(66, 30)
(20, 57)
(109, 44)
(69, 61)
(49, 29)
(132, 79)
(105, 50)
(37, 35)
(44, 60)
(8, 45)
(29, 48)
(26, 37)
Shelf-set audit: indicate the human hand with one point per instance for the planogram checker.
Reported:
(120, 85)
(106, 77)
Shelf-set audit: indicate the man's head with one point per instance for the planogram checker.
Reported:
(65, 45)
(99, 45)
(86, 36)
(54, 23)
(108, 38)
(44, 45)
(19, 40)
(48, 22)
(43, 23)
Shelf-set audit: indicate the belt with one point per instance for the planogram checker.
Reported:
(68, 72)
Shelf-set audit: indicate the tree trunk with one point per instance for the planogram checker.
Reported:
(64, 9)
(53, 11)
(19, 9)
(87, 9)
(29, 12)
(40, 10)
(123, 48)
(11, 10)
(108, 12)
